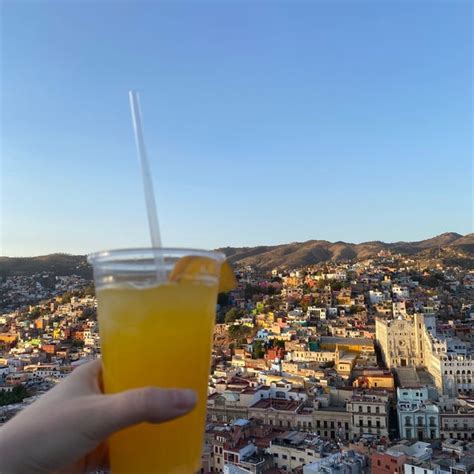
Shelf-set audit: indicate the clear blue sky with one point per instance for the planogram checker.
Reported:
(267, 122)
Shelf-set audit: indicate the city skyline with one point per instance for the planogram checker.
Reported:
(265, 123)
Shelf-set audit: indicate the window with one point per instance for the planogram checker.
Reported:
(368, 409)
(284, 456)
(360, 409)
(275, 455)
(378, 462)
(293, 458)
(408, 434)
(301, 459)
(377, 409)
(407, 421)
(378, 423)
(412, 470)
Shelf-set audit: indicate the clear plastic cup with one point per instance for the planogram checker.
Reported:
(157, 334)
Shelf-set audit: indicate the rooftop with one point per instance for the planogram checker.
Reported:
(277, 404)
(347, 340)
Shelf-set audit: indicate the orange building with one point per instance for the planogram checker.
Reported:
(375, 379)
(39, 323)
(8, 338)
(49, 348)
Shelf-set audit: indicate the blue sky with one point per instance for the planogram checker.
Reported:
(266, 122)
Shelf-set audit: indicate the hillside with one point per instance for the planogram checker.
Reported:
(59, 264)
(299, 254)
(447, 246)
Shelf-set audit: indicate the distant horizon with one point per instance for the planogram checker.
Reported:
(349, 242)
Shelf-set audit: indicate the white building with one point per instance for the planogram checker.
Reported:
(317, 313)
(369, 414)
(400, 292)
(340, 463)
(294, 450)
(418, 417)
(376, 296)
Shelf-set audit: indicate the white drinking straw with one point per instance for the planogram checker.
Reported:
(147, 182)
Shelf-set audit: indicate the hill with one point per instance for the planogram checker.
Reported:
(451, 247)
(58, 263)
(300, 254)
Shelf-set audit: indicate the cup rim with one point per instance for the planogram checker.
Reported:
(114, 254)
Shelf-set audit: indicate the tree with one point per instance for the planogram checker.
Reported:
(232, 315)
(223, 299)
(258, 350)
(16, 395)
(238, 332)
(34, 313)
(279, 343)
(66, 297)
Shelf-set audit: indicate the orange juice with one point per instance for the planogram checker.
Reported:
(159, 336)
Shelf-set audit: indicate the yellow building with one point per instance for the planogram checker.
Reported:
(347, 344)
(375, 379)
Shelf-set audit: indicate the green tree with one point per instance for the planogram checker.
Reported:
(34, 313)
(233, 314)
(239, 332)
(279, 343)
(258, 349)
(16, 395)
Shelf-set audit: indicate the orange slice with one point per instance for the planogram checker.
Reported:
(190, 266)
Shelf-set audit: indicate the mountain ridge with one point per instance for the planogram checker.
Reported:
(266, 257)
(299, 254)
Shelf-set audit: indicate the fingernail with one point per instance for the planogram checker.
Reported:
(185, 399)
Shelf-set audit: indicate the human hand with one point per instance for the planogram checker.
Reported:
(64, 431)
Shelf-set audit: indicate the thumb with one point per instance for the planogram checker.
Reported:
(149, 404)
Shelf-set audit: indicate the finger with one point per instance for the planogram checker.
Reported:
(149, 404)
(84, 380)
(89, 374)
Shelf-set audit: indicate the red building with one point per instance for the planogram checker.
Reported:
(49, 348)
(389, 462)
(275, 353)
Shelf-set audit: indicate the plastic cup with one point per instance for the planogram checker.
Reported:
(156, 334)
